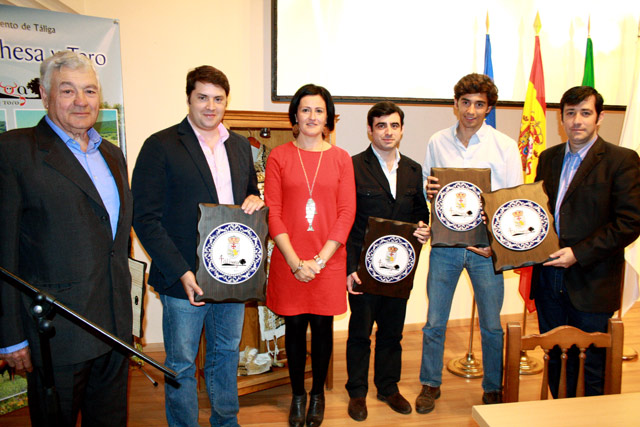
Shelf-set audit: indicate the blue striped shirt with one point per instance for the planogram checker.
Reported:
(570, 165)
(96, 167)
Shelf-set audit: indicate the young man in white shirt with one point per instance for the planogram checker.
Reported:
(470, 143)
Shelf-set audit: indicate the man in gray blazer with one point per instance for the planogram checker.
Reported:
(65, 220)
(195, 161)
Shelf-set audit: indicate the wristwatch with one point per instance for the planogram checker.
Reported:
(319, 261)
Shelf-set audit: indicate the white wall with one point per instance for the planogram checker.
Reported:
(162, 40)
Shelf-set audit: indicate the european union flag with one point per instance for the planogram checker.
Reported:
(488, 70)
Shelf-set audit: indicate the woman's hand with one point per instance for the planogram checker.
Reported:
(308, 272)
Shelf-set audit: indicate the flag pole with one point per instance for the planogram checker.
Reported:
(528, 365)
(467, 366)
(628, 353)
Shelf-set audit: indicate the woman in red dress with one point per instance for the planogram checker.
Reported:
(310, 191)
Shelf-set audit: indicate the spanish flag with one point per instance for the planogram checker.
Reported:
(532, 141)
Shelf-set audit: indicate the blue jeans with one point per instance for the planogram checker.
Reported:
(445, 267)
(182, 326)
(555, 309)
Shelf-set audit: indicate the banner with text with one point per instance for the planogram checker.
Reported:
(29, 36)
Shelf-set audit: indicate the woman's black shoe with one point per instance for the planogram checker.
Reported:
(296, 412)
(315, 415)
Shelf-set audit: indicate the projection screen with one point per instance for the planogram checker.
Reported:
(416, 50)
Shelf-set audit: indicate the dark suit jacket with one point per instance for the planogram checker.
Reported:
(373, 198)
(55, 233)
(599, 216)
(170, 179)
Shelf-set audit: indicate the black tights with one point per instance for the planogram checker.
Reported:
(296, 346)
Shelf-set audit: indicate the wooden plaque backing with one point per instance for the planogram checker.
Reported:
(212, 216)
(445, 237)
(377, 228)
(508, 259)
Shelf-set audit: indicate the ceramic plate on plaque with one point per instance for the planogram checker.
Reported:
(459, 206)
(232, 253)
(390, 259)
(520, 225)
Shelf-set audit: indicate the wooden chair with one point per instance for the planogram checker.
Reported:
(564, 337)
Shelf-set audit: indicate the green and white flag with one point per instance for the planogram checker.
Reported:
(588, 77)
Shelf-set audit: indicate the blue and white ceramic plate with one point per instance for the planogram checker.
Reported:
(458, 206)
(390, 259)
(232, 253)
(520, 225)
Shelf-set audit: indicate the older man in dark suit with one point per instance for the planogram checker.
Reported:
(594, 194)
(389, 185)
(195, 161)
(65, 219)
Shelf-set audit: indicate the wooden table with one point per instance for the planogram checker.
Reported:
(611, 410)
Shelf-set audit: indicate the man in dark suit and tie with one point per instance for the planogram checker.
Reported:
(388, 185)
(65, 219)
(195, 161)
(594, 195)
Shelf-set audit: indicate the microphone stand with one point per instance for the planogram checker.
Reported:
(43, 310)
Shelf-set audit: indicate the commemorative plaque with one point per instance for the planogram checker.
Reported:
(456, 210)
(388, 259)
(521, 228)
(232, 250)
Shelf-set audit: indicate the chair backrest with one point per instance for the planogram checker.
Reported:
(564, 337)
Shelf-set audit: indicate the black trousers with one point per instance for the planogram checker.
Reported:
(96, 388)
(555, 309)
(388, 313)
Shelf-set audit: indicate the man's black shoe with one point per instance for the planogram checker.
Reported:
(358, 408)
(396, 402)
(492, 397)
